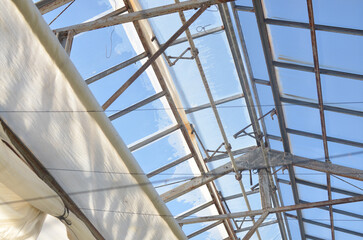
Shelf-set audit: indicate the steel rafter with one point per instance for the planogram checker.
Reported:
(267, 49)
(321, 106)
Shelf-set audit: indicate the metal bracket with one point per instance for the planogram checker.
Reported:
(237, 135)
(181, 56)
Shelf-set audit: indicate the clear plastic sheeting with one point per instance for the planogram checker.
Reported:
(48, 106)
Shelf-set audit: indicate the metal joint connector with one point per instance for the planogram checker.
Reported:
(238, 176)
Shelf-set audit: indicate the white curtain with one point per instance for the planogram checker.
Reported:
(25, 199)
(46, 103)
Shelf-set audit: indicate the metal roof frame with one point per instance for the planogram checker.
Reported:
(269, 184)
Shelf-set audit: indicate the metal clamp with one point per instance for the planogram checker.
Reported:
(64, 216)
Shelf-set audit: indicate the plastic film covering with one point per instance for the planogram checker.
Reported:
(49, 107)
(25, 199)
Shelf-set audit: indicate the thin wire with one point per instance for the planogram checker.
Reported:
(134, 213)
(92, 191)
(191, 174)
(165, 215)
(159, 109)
(202, 28)
(105, 189)
(61, 12)
(347, 182)
(180, 174)
(172, 183)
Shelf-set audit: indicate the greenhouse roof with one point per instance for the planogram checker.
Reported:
(246, 116)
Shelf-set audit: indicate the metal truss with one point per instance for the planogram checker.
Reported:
(259, 157)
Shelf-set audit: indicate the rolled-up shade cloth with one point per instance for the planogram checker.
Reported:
(46, 103)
